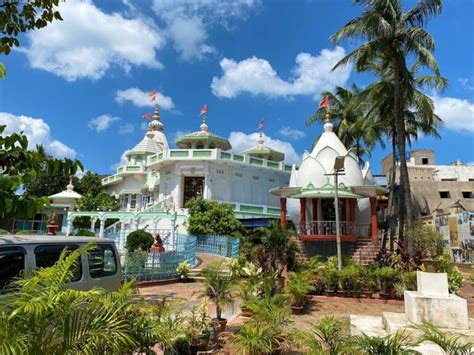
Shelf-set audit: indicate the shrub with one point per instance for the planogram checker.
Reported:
(388, 277)
(298, 285)
(445, 264)
(24, 232)
(183, 270)
(4, 231)
(85, 233)
(351, 277)
(409, 280)
(139, 240)
(427, 243)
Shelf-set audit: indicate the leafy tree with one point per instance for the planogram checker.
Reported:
(394, 34)
(90, 183)
(212, 218)
(19, 167)
(44, 183)
(17, 17)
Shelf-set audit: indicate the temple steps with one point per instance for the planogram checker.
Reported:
(365, 251)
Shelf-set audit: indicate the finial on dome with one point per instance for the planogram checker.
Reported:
(261, 139)
(70, 186)
(203, 126)
(155, 124)
(328, 126)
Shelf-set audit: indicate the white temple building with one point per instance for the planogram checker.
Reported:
(157, 178)
(309, 198)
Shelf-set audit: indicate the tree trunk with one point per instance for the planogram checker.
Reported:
(405, 209)
(391, 197)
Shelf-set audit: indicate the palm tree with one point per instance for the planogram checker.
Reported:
(351, 126)
(394, 34)
(419, 116)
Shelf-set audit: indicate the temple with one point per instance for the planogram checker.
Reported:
(309, 199)
(158, 178)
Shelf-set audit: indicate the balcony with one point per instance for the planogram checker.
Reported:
(326, 230)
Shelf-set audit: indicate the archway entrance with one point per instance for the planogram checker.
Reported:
(193, 187)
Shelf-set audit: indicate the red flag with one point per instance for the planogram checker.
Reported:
(261, 124)
(324, 102)
(152, 95)
(148, 116)
(203, 110)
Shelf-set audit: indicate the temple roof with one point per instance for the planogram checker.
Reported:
(154, 141)
(264, 152)
(69, 193)
(203, 136)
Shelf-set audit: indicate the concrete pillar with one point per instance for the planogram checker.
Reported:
(69, 227)
(373, 219)
(283, 212)
(303, 215)
(101, 228)
(122, 235)
(314, 203)
(173, 230)
(93, 220)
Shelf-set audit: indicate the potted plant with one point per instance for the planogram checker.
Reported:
(199, 326)
(247, 292)
(218, 286)
(399, 288)
(183, 271)
(370, 283)
(298, 285)
(388, 277)
(330, 277)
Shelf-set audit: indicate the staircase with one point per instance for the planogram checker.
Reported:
(365, 251)
(300, 249)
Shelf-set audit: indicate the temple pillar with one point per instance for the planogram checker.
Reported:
(373, 218)
(283, 212)
(314, 203)
(69, 227)
(343, 209)
(93, 220)
(101, 228)
(303, 215)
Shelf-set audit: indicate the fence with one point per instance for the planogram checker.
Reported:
(157, 266)
(218, 245)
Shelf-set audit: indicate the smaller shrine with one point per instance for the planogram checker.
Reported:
(309, 200)
(62, 203)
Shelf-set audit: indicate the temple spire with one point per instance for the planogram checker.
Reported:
(155, 124)
(204, 127)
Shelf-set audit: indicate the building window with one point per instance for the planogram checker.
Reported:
(238, 174)
(424, 161)
(467, 194)
(199, 145)
(218, 171)
(444, 194)
(212, 146)
(470, 179)
(133, 201)
(453, 179)
(125, 202)
(255, 177)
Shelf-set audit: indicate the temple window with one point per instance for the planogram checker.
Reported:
(124, 202)
(212, 146)
(199, 145)
(189, 146)
(444, 194)
(133, 201)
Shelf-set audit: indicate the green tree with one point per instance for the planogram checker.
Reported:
(17, 17)
(45, 183)
(20, 167)
(212, 218)
(394, 34)
(89, 183)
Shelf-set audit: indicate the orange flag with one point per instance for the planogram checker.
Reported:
(203, 110)
(324, 102)
(152, 95)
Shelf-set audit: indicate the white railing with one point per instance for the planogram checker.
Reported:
(325, 228)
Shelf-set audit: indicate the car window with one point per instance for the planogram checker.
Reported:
(102, 261)
(47, 255)
(12, 263)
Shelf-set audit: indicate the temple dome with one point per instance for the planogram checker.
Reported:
(154, 141)
(264, 152)
(203, 139)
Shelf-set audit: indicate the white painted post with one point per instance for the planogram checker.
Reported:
(69, 227)
(93, 219)
(173, 230)
(101, 229)
(122, 235)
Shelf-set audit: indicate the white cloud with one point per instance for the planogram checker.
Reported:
(126, 129)
(241, 141)
(457, 114)
(38, 132)
(310, 76)
(102, 123)
(142, 99)
(88, 42)
(467, 83)
(291, 133)
(187, 21)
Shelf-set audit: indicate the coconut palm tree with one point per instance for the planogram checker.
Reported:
(419, 115)
(394, 34)
(351, 126)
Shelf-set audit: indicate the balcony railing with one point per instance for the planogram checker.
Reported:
(326, 228)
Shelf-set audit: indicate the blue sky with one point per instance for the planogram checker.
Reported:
(79, 86)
